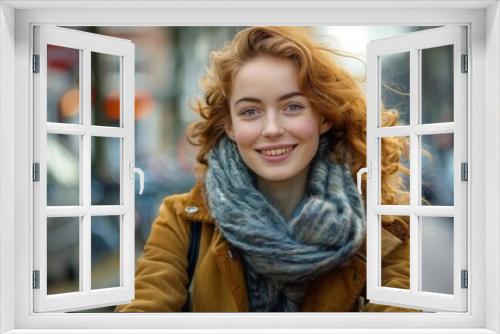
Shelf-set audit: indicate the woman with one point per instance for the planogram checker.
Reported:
(282, 225)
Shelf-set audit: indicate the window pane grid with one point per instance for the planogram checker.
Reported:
(433, 149)
(416, 210)
(85, 211)
(81, 131)
(86, 131)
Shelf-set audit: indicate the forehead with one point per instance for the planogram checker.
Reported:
(265, 75)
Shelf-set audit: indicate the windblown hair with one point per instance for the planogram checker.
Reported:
(331, 90)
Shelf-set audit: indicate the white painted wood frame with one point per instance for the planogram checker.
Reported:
(85, 44)
(413, 44)
(16, 19)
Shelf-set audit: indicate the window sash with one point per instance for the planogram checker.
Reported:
(414, 297)
(86, 297)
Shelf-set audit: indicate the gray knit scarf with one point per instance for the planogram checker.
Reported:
(282, 256)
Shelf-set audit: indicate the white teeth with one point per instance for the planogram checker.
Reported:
(277, 152)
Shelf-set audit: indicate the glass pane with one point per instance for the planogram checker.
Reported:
(395, 170)
(63, 169)
(437, 254)
(391, 250)
(395, 87)
(437, 84)
(437, 169)
(105, 252)
(106, 159)
(63, 255)
(63, 82)
(106, 109)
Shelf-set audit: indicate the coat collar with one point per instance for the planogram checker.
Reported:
(195, 207)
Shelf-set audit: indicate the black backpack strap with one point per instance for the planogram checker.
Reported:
(192, 257)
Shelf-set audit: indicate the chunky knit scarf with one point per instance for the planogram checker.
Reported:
(282, 256)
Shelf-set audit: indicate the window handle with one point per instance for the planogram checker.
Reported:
(136, 170)
(360, 173)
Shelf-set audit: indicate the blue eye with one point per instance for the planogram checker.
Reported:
(294, 107)
(250, 112)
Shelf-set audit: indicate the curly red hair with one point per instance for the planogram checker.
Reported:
(331, 90)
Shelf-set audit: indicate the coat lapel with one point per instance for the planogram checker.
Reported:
(231, 267)
(196, 199)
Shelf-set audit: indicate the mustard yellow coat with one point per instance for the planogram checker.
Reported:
(219, 281)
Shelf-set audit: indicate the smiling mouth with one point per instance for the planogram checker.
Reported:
(277, 151)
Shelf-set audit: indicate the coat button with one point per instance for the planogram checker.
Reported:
(191, 209)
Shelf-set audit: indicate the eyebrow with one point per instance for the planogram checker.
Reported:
(283, 97)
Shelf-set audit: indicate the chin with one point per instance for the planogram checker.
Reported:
(276, 177)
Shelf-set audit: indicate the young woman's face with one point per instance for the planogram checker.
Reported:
(276, 130)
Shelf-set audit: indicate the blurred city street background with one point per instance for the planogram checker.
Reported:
(169, 62)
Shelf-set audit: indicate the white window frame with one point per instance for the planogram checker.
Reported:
(413, 44)
(16, 19)
(123, 50)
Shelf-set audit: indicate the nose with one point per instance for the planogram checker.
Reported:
(272, 126)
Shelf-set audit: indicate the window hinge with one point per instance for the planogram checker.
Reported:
(464, 171)
(36, 171)
(465, 64)
(465, 279)
(36, 279)
(36, 63)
